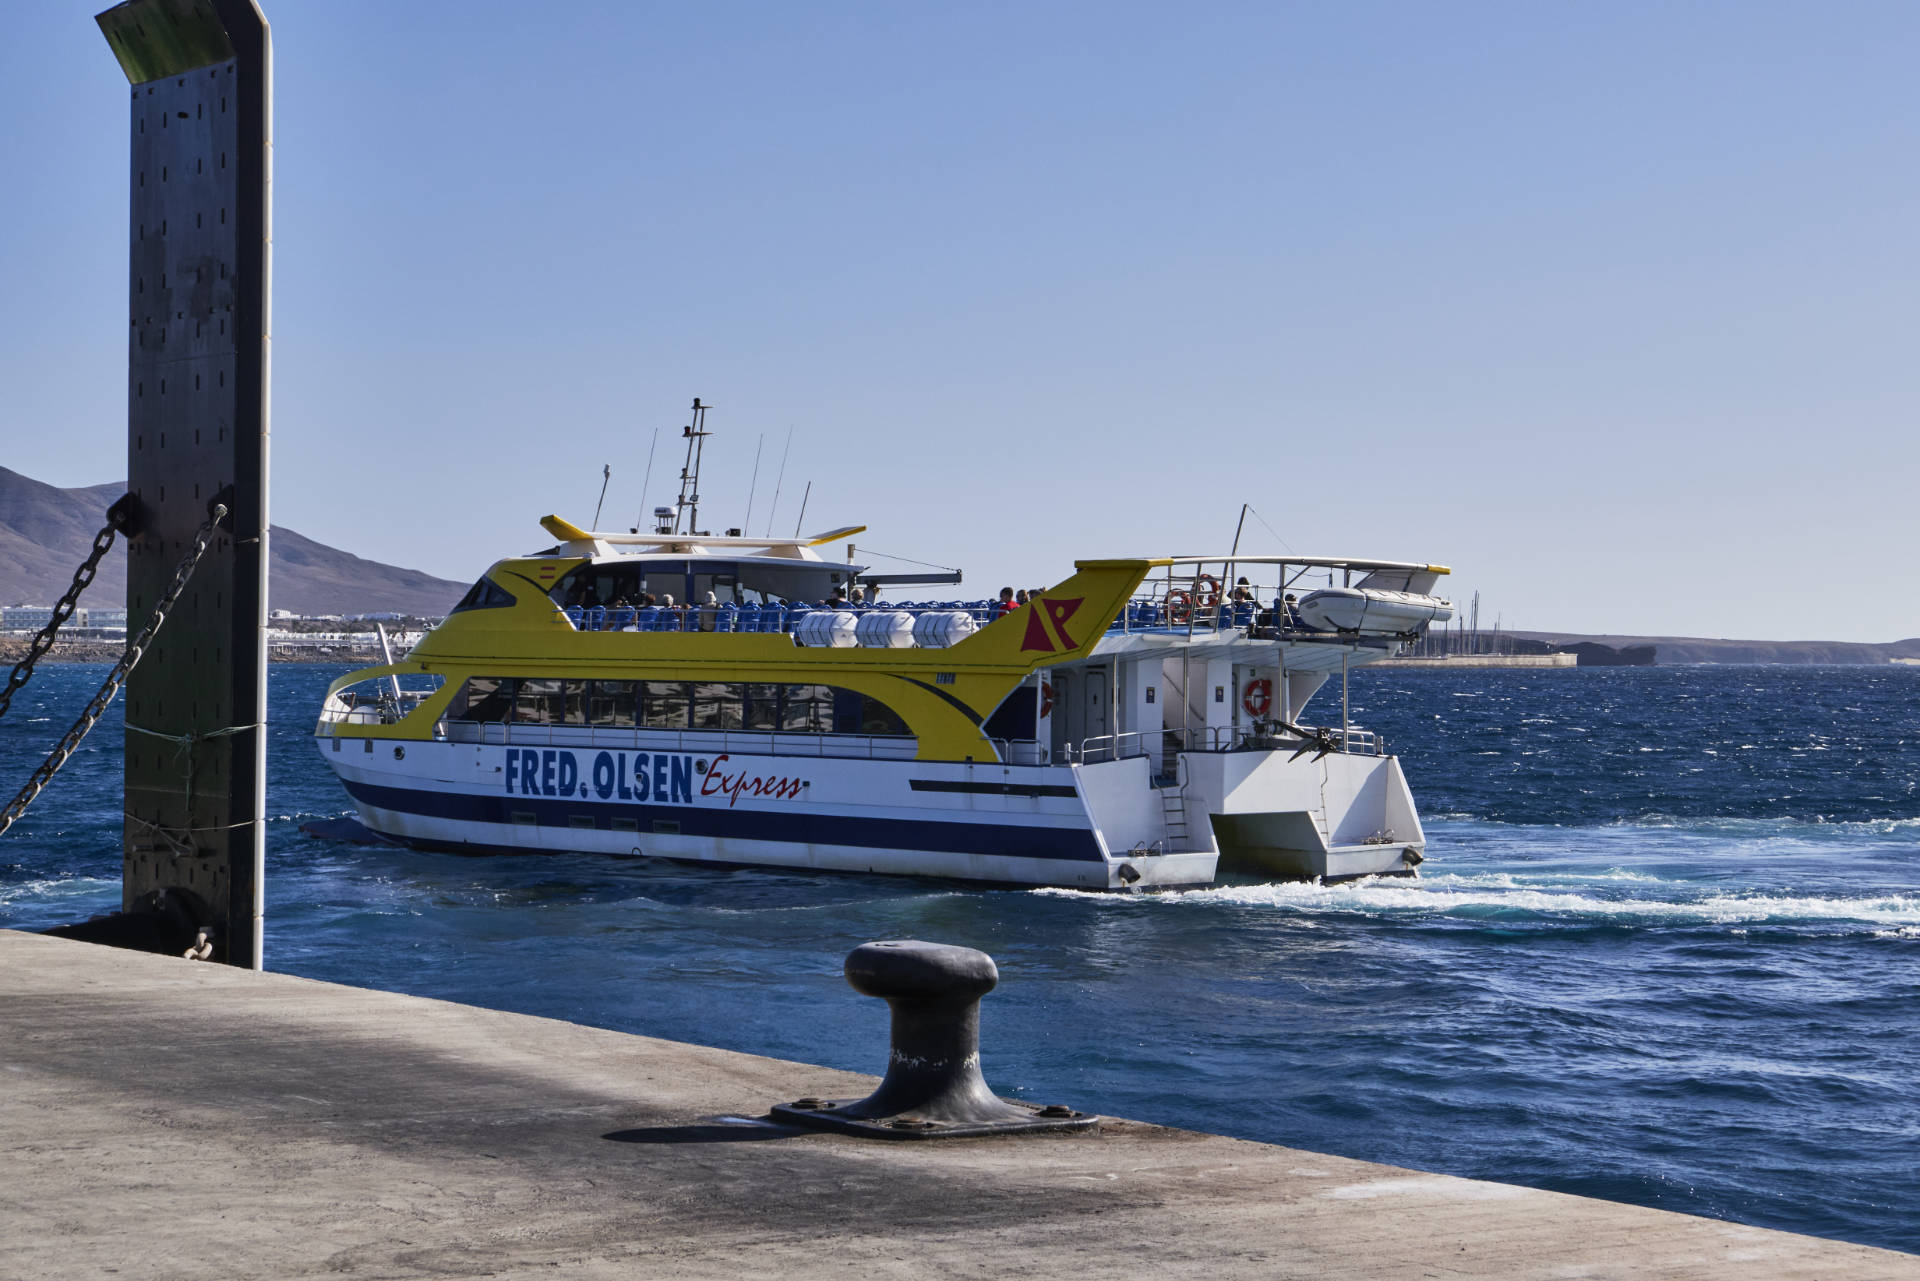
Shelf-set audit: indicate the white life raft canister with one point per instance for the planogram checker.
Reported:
(826, 629)
(939, 629)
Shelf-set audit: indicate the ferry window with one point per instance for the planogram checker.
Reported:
(487, 699)
(575, 700)
(539, 703)
(877, 718)
(665, 705)
(660, 583)
(793, 581)
(725, 588)
(716, 707)
(1018, 718)
(485, 594)
(760, 709)
(595, 585)
(806, 709)
(857, 713)
(615, 704)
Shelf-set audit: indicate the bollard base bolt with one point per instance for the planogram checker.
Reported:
(1020, 1118)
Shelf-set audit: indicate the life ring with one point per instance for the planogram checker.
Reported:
(1179, 605)
(1046, 698)
(1206, 591)
(1258, 699)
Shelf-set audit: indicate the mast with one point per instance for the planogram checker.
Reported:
(688, 504)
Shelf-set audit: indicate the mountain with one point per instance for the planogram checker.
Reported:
(45, 533)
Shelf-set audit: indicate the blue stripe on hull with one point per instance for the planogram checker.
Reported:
(1006, 840)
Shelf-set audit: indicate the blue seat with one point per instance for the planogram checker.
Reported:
(577, 616)
(596, 618)
(773, 618)
(727, 619)
(618, 620)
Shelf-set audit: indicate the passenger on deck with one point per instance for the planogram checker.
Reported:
(1020, 598)
(1006, 603)
(859, 596)
(1242, 591)
(838, 600)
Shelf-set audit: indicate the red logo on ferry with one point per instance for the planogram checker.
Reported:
(1047, 625)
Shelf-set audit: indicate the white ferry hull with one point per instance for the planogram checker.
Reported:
(1274, 815)
(1019, 825)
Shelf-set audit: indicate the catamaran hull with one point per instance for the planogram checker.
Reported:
(1275, 814)
(1016, 825)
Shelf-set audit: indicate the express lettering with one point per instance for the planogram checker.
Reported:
(721, 783)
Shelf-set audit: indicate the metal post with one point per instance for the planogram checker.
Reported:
(1343, 701)
(197, 414)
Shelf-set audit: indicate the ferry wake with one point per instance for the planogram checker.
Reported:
(745, 701)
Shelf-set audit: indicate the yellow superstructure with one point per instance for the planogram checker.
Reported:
(943, 695)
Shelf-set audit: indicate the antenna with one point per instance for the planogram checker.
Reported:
(753, 486)
(688, 504)
(606, 474)
(641, 519)
(782, 477)
(803, 509)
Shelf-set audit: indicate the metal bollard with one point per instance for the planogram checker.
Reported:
(933, 1087)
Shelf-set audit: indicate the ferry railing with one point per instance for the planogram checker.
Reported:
(1194, 598)
(746, 742)
(1163, 744)
(668, 739)
(351, 708)
(1156, 608)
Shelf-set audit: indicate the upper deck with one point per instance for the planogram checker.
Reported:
(770, 616)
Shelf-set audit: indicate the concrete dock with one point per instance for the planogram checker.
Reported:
(163, 1118)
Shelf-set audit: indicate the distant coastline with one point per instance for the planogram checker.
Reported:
(1680, 651)
(1539, 649)
(14, 648)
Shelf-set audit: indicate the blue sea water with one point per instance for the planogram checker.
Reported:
(1666, 950)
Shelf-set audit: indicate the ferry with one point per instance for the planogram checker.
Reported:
(723, 700)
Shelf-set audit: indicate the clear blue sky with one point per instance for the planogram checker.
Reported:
(1609, 306)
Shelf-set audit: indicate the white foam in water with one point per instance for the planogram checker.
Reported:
(1502, 895)
(58, 888)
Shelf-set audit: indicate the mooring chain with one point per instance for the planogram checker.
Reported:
(137, 648)
(117, 517)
